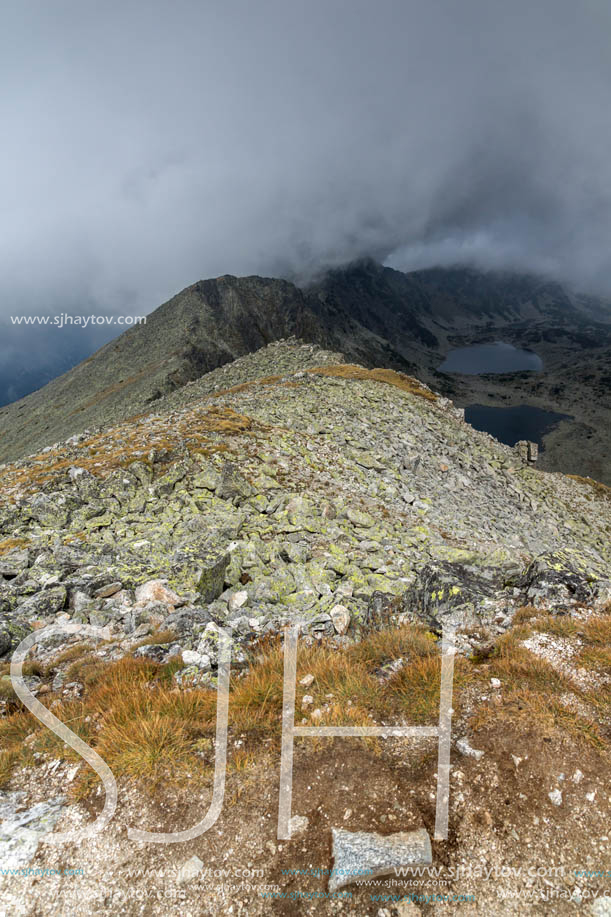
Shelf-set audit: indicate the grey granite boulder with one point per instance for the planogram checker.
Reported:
(43, 603)
(5, 640)
(233, 486)
(560, 579)
(456, 594)
(21, 829)
(361, 855)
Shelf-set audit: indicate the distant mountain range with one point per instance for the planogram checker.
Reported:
(372, 314)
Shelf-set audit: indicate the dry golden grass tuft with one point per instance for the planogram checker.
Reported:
(245, 386)
(525, 709)
(8, 761)
(6, 691)
(87, 670)
(10, 544)
(255, 700)
(147, 745)
(197, 431)
(517, 667)
(596, 654)
(525, 613)
(595, 658)
(597, 630)
(416, 688)
(600, 489)
(77, 651)
(527, 620)
(388, 376)
(536, 695)
(144, 725)
(157, 637)
(14, 730)
(405, 642)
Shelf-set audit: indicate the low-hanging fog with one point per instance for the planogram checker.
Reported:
(146, 145)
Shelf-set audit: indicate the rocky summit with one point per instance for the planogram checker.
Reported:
(291, 486)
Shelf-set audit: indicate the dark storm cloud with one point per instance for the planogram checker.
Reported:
(148, 144)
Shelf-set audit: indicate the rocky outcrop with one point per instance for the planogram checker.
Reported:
(332, 499)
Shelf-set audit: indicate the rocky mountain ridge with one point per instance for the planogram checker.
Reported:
(376, 316)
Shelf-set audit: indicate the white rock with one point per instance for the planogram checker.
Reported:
(237, 600)
(307, 700)
(298, 824)
(407, 908)
(190, 869)
(601, 907)
(307, 680)
(23, 829)
(202, 660)
(156, 590)
(80, 601)
(495, 682)
(577, 776)
(316, 715)
(72, 773)
(465, 749)
(341, 618)
(555, 797)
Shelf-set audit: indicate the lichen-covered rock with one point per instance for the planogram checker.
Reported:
(321, 626)
(51, 510)
(233, 486)
(22, 829)
(5, 640)
(304, 492)
(14, 563)
(382, 611)
(456, 595)
(211, 574)
(341, 618)
(187, 620)
(44, 603)
(559, 579)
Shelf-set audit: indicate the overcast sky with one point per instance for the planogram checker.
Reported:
(146, 145)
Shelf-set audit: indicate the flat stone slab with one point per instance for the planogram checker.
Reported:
(360, 855)
(22, 829)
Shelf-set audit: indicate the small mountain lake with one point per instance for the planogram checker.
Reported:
(490, 358)
(510, 425)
